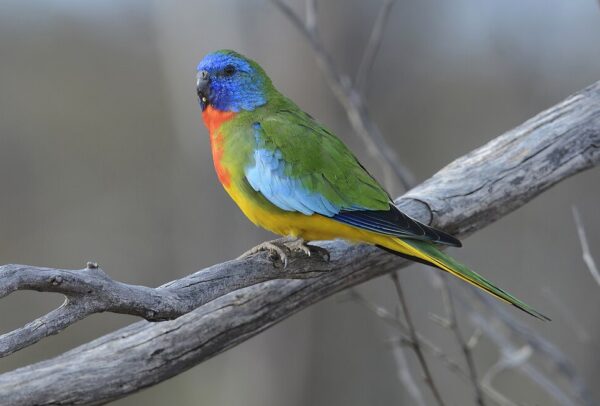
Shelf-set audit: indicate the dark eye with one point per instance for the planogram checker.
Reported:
(229, 70)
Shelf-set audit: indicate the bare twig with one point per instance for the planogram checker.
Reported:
(546, 350)
(349, 97)
(465, 196)
(402, 367)
(452, 324)
(405, 376)
(585, 247)
(506, 361)
(312, 24)
(416, 346)
(509, 360)
(368, 59)
(404, 337)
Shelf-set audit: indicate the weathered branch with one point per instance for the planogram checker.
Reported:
(465, 196)
(90, 291)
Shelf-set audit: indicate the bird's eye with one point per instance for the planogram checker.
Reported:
(229, 70)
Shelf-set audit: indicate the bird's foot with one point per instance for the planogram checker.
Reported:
(276, 250)
(280, 249)
(300, 245)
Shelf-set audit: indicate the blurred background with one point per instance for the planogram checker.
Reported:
(103, 156)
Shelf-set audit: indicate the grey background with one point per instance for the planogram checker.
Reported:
(103, 156)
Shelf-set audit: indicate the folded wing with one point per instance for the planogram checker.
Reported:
(301, 167)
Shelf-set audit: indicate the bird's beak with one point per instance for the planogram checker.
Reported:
(202, 82)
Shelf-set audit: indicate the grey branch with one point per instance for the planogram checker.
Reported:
(463, 197)
(90, 291)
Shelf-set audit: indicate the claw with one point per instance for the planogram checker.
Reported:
(275, 252)
(299, 245)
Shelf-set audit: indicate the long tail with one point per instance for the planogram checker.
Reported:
(427, 253)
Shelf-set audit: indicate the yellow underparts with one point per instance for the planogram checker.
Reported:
(315, 227)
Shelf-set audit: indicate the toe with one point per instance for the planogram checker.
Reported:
(281, 254)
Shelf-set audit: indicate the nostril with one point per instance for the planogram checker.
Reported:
(204, 74)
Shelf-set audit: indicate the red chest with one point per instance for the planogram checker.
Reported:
(213, 119)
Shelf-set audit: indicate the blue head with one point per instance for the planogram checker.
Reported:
(229, 81)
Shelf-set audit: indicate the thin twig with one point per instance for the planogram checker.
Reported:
(464, 346)
(506, 361)
(546, 350)
(350, 98)
(415, 342)
(312, 23)
(404, 374)
(368, 59)
(585, 247)
(493, 331)
(405, 339)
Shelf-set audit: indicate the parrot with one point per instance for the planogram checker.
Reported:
(292, 176)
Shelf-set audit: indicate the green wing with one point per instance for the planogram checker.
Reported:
(319, 162)
(300, 166)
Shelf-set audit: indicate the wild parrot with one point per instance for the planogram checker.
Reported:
(293, 177)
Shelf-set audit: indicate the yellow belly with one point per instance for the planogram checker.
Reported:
(317, 227)
(310, 228)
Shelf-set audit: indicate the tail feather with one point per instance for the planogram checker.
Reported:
(428, 253)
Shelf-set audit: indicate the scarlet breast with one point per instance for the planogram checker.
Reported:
(213, 119)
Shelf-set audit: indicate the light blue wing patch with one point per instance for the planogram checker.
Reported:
(267, 176)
